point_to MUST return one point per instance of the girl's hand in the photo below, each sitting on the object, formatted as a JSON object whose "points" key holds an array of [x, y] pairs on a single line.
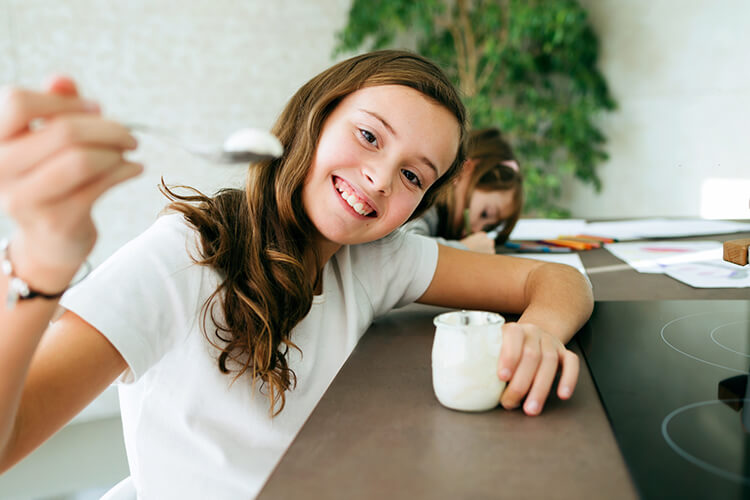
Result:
{"points": [[479, 242], [529, 360], [51, 173]]}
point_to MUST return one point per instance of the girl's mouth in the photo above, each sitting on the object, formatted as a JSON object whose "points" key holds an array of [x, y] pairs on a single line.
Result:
{"points": [[352, 198]]}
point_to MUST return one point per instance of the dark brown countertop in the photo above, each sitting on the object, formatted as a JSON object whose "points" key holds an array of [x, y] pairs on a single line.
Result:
{"points": [[379, 432]]}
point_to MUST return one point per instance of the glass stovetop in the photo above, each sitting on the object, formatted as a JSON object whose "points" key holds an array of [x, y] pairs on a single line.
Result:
{"points": [[673, 378]]}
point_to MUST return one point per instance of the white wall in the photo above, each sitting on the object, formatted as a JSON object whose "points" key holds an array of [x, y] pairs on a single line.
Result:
{"points": [[678, 69], [680, 72], [200, 68]]}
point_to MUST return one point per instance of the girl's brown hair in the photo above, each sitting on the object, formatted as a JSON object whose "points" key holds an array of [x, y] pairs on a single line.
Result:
{"points": [[491, 152], [261, 241]]}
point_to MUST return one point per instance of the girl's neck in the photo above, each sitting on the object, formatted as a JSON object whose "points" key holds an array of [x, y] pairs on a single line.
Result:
{"points": [[325, 250]]}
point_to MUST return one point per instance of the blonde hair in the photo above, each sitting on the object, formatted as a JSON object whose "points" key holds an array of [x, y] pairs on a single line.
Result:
{"points": [[259, 239]]}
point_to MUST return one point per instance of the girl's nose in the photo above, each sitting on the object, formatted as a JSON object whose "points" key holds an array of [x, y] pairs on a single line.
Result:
{"points": [[380, 178]]}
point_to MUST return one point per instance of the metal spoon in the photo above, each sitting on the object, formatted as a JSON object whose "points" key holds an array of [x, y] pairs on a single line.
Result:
{"points": [[244, 146]]}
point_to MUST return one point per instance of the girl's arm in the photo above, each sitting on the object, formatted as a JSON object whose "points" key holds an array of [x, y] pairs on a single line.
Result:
{"points": [[50, 176], [554, 301], [43, 385]]}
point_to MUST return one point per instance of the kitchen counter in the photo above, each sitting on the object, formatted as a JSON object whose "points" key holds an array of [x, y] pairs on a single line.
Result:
{"points": [[379, 431]]}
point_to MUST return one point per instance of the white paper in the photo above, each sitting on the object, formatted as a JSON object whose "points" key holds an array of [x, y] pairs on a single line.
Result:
{"points": [[571, 259], [663, 228], [546, 229], [711, 274], [656, 256], [626, 230]]}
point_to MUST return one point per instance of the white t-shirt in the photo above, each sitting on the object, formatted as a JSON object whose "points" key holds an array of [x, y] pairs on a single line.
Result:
{"points": [[189, 431]]}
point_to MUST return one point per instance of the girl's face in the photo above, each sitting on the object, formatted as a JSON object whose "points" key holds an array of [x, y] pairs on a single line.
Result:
{"points": [[488, 208], [381, 148]]}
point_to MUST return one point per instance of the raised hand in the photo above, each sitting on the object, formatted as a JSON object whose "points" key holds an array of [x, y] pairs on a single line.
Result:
{"points": [[57, 157]]}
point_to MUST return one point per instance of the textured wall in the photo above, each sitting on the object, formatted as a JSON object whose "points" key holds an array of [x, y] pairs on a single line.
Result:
{"points": [[198, 68], [679, 71]]}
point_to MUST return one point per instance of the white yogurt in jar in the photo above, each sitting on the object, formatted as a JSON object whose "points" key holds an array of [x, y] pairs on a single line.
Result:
{"points": [[465, 354]]}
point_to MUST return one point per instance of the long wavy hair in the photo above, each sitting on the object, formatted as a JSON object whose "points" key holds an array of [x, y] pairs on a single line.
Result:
{"points": [[491, 173], [260, 240]]}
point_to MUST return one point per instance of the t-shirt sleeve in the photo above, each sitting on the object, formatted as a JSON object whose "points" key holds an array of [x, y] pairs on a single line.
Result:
{"points": [[145, 296], [396, 271]]}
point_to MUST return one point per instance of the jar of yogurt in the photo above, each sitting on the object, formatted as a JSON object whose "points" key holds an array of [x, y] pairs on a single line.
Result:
{"points": [[465, 354]]}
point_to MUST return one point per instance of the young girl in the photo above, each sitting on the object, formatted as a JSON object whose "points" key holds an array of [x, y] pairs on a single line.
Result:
{"points": [[486, 193], [226, 320]]}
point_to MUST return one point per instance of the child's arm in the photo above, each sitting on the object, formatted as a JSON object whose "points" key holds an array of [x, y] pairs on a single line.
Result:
{"points": [[554, 301], [49, 179]]}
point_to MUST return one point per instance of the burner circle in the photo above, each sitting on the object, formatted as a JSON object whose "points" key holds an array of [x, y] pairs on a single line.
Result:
{"points": [[696, 338], [723, 345], [701, 438]]}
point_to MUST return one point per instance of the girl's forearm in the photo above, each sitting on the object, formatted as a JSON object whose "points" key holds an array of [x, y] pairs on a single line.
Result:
{"points": [[21, 329], [560, 300]]}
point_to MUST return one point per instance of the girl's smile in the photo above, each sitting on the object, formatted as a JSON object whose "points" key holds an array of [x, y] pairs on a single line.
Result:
{"points": [[379, 151]]}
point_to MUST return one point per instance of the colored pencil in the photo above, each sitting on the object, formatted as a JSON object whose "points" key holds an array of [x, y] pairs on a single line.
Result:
{"points": [[575, 245], [592, 242], [603, 239], [535, 247]]}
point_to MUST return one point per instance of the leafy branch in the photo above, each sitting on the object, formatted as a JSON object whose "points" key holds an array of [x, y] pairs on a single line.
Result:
{"points": [[525, 66]]}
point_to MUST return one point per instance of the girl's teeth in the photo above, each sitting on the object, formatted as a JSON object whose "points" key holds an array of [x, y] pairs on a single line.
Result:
{"points": [[357, 205]]}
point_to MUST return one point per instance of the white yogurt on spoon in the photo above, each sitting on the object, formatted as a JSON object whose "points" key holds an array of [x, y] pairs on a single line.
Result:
{"points": [[255, 140]]}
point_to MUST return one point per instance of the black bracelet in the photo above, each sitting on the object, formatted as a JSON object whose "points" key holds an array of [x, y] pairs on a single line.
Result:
{"points": [[18, 289]]}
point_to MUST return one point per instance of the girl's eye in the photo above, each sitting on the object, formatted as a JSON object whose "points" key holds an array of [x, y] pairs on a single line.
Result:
{"points": [[484, 214], [369, 136], [412, 177]]}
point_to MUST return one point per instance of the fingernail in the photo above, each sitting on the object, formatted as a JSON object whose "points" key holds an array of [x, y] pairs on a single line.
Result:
{"points": [[565, 392], [532, 407], [504, 374]]}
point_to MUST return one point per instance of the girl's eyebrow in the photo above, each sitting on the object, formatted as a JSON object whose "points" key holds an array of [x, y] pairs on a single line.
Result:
{"points": [[387, 125]]}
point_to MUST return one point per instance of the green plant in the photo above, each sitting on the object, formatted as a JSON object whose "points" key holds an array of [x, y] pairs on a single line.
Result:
{"points": [[525, 66]]}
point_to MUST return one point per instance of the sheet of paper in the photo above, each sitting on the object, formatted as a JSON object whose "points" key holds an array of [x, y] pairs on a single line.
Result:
{"points": [[655, 256], [663, 228], [711, 274], [571, 259], [546, 229], [625, 230]]}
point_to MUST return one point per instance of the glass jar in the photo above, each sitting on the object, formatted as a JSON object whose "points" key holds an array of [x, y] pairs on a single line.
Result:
{"points": [[465, 354]]}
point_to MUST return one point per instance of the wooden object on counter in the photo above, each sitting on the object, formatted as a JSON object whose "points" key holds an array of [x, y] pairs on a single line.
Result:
{"points": [[735, 251]]}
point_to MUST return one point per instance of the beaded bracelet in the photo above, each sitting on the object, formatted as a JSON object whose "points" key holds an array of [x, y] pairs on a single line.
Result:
{"points": [[18, 289]]}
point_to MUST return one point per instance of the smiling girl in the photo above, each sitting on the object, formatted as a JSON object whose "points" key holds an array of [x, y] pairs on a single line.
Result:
{"points": [[226, 320]]}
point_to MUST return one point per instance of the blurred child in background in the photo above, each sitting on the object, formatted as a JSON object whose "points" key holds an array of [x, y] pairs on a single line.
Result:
{"points": [[487, 193]]}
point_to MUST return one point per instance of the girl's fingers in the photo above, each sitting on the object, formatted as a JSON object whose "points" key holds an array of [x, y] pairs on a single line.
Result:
{"points": [[545, 377], [510, 352], [65, 173], [18, 107], [569, 377], [25, 152], [121, 173], [524, 374]]}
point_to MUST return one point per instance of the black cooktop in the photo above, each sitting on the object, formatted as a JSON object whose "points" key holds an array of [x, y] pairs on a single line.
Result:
{"points": [[673, 378]]}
